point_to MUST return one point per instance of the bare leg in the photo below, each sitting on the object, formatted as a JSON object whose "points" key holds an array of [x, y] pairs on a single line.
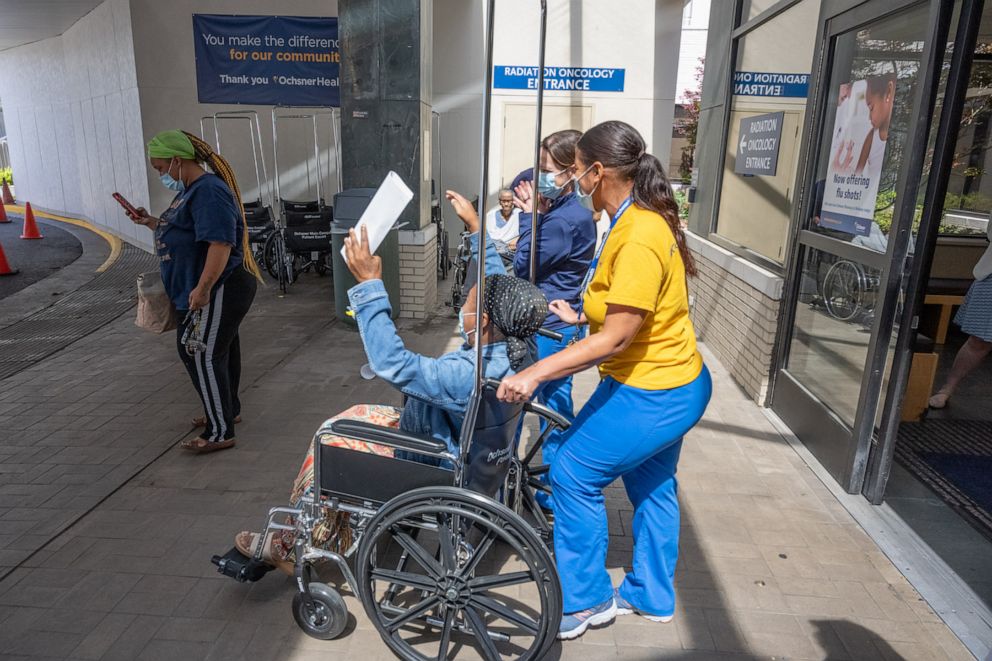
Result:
{"points": [[970, 355]]}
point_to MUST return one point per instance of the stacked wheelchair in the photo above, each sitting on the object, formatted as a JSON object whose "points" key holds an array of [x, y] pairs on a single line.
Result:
{"points": [[446, 557]]}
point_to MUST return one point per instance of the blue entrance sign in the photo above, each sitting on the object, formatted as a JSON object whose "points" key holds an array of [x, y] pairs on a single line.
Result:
{"points": [[559, 79], [755, 83], [267, 60]]}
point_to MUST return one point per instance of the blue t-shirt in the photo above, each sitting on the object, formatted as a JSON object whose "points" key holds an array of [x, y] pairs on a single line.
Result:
{"points": [[204, 213]]}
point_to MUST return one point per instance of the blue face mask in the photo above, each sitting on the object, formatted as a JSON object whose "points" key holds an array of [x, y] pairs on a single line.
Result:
{"points": [[461, 326], [172, 184], [585, 199], [546, 185]]}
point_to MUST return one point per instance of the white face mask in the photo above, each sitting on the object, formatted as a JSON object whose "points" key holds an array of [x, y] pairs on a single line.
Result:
{"points": [[461, 325], [585, 199], [173, 184]]}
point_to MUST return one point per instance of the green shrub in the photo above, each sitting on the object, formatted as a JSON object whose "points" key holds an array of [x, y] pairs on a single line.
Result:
{"points": [[6, 176], [682, 199], [886, 203]]}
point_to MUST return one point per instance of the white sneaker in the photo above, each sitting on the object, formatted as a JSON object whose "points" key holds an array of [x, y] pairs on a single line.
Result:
{"points": [[574, 625], [624, 607]]}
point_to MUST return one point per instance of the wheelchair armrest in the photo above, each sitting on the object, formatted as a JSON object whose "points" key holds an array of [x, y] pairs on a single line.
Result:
{"points": [[394, 438], [546, 413]]}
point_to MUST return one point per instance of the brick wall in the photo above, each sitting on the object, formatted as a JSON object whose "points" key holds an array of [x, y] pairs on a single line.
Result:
{"points": [[736, 319], [418, 273]]}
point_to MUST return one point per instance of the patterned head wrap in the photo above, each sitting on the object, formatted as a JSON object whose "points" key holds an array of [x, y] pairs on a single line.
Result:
{"points": [[518, 309]]}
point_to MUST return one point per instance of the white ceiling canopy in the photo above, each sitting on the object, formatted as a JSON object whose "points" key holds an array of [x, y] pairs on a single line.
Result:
{"points": [[24, 21]]}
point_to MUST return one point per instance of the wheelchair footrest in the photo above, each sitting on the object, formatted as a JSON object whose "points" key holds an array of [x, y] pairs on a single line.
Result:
{"points": [[240, 567]]}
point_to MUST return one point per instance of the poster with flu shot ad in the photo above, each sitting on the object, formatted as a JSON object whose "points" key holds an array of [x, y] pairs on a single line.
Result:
{"points": [[857, 153]]}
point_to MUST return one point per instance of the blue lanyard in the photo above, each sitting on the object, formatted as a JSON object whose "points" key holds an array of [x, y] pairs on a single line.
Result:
{"points": [[599, 251]]}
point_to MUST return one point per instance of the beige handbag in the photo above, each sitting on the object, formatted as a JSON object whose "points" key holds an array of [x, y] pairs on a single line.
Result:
{"points": [[156, 312]]}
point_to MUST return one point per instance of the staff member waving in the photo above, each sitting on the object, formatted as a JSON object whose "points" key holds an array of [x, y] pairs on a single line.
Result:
{"points": [[654, 387], [208, 273]]}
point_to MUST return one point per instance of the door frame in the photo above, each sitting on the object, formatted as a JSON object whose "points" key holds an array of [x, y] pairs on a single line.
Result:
{"points": [[817, 426], [883, 449]]}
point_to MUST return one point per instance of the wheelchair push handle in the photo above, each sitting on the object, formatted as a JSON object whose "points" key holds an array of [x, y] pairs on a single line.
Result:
{"points": [[553, 417]]}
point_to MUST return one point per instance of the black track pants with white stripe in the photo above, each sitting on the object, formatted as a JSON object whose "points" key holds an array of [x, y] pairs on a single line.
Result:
{"points": [[216, 372]]}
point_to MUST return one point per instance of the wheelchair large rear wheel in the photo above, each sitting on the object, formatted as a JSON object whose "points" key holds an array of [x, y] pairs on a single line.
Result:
{"points": [[844, 290], [441, 569]]}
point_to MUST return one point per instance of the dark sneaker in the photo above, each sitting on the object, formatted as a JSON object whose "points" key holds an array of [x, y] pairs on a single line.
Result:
{"points": [[574, 625], [624, 607]]}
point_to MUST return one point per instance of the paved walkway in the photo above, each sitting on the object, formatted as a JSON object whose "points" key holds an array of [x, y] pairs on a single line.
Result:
{"points": [[106, 528]]}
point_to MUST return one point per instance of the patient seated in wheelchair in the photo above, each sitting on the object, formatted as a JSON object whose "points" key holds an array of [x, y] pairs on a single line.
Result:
{"points": [[437, 390]]}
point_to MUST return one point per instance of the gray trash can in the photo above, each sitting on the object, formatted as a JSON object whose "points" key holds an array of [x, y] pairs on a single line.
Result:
{"points": [[348, 208]]}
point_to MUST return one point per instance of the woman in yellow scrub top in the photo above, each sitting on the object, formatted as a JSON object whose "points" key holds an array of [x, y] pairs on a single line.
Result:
{"points": [[654, 386]]}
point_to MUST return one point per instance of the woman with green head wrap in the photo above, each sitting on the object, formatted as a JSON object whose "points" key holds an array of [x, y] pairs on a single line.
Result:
{"points": [[208, 273]]}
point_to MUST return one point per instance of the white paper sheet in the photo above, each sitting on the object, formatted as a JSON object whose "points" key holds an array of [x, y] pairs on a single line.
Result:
{"points": [[385, 208]]}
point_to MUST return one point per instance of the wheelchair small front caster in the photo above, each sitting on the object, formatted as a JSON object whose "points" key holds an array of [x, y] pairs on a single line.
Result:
{"points": [[329, 616]]}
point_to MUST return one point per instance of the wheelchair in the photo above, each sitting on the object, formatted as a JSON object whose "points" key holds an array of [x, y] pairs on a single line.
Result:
{"points": [[461, 263], [462, 257], [849, 291], [260, 223], [302, 243], [447, 555]]}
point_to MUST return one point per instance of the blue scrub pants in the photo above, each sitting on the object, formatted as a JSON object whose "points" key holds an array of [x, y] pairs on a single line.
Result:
{"points": [[637, 435], [556, 395]]}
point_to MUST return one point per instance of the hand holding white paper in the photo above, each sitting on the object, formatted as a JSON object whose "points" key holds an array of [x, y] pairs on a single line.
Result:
{"points": [[383, 211]]}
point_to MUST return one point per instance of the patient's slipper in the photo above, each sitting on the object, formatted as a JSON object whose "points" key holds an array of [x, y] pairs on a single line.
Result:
{"points": [[246, 542]]}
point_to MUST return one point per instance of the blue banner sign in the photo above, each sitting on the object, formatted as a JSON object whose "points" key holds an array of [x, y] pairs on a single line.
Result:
{"points": [[755, 83], [267, 60], [559, 79]]}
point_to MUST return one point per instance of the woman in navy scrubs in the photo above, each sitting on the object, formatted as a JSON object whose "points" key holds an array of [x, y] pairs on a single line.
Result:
{"points": [[565, 246]]}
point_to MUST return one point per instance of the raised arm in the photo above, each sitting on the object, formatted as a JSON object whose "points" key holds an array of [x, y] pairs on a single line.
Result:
{"points": [[423, 377]]}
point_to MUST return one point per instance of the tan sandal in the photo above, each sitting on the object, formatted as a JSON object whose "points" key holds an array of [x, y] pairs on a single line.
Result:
{"points": [[199, 445], [201, 421], [246, 542]]}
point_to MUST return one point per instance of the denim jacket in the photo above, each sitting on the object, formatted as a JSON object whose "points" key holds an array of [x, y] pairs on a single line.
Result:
{"points": [[438, 388]]}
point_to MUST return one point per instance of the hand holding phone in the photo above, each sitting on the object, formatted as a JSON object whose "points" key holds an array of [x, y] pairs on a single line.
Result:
{"points": [[129, 208]]}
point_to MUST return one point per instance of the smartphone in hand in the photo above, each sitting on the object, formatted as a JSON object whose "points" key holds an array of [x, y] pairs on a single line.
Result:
{"points": [[129, 208]]}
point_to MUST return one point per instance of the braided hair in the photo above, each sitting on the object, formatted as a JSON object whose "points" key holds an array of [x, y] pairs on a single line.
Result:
{"points": [[219, 165]]}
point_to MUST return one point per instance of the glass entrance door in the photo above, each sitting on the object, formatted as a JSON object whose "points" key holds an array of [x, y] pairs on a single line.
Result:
{"points": [[875, 92]]}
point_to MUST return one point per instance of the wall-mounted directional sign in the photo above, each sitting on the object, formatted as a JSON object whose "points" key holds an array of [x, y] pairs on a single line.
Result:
{"points": [[758, 144]]}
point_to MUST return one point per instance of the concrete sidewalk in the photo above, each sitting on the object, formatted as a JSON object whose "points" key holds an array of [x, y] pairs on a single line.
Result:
{"points": [[771, 564]]}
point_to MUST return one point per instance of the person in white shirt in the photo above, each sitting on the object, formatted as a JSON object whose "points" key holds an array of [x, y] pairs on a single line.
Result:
{"points": [[503, 223]]}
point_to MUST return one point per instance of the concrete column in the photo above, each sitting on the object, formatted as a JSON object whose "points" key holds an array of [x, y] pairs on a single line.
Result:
{"points": [[386, 122]]}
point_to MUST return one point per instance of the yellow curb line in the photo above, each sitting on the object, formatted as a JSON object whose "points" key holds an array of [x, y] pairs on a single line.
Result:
{"points": [[115, 243]]}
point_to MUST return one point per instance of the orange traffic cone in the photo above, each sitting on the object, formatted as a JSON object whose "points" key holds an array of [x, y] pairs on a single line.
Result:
{"points": [[7, 197], [4, 266], [3, 214], [30, 227]]}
